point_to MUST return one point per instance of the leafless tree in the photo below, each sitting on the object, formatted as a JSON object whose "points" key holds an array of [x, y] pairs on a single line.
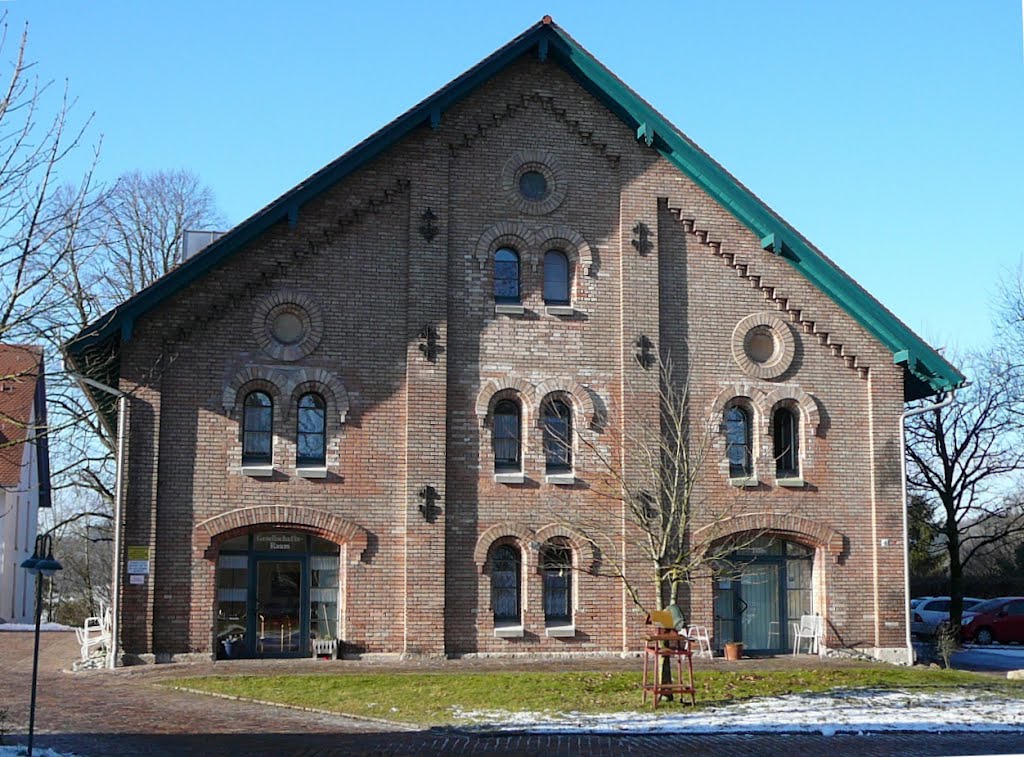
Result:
{"points": [[661, 494], [145, 217], [46, 197], [964, 462], [132, 238], [36, 152]]}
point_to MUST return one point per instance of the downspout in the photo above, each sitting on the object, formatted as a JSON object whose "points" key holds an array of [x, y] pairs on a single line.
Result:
{"points": [[115, 579], [943, 403]]}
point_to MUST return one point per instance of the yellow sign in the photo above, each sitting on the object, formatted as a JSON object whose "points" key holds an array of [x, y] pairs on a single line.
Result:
{"points": [[138, 561]]}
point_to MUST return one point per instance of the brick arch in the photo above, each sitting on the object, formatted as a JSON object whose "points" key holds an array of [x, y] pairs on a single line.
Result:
{"points": [[491, 390], [285, 382], [318, 522], [787, 526], [564, 238], [506, 233], [737, 390], [324, 382], [580, 545], [583, 403], [806, 402], [251, 379], [519, 531]]}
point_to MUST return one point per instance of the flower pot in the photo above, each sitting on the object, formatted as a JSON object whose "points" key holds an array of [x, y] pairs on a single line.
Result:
{"points": [[734, 650]]}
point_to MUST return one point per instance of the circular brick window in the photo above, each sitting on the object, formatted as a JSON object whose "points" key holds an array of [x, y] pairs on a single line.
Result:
{"points": [[287, 328], [760, 345], [533, 185], [533, 181], [763, 345], [287, 325]]}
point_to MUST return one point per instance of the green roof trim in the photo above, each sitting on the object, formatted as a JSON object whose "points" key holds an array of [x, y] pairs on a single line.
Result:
{"points": [[927, 372]]}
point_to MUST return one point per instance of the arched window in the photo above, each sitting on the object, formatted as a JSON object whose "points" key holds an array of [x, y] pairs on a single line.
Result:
{"points": [[738, 441], [505, 584], [786, 438], [507, 435], [557, 436], [258, 429], [556, 278], [556, 560], [311, 435], [506, 276]]}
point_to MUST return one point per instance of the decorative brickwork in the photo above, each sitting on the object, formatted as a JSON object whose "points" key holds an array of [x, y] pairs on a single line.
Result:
{"points": [[409, 491], [786, 526], [246, 519]]}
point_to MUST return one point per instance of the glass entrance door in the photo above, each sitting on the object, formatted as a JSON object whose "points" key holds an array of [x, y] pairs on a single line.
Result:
{"points": [[279, 605], [760, 612], [765, 588]]}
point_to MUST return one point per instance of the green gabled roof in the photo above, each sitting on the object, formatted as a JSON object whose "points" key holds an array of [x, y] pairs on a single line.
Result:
{"points": [[926, 371]]}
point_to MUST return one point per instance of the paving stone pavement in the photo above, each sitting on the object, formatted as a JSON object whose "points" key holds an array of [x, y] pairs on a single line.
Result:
{"points": [[124, 714]]}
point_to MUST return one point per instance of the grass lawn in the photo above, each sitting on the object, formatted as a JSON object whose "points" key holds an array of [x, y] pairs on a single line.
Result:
{"points": [[435, 698]]}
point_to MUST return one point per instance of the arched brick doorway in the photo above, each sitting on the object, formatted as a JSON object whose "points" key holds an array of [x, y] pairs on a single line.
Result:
{"points": [[279, 578], [779, 569]]}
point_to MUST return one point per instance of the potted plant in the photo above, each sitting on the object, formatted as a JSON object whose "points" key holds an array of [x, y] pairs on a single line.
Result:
{"points": [[733, 650]]}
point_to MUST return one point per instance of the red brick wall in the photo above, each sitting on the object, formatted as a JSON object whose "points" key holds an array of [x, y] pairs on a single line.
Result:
{"points": [[357, 251]]}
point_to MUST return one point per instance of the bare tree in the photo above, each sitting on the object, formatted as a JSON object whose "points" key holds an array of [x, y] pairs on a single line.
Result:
{"points": [[964, 462], [662, 496], [35, 152], [145, 217], [131, 238]]}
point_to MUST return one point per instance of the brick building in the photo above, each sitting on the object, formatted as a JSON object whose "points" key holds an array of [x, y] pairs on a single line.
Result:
{"points": [[345, 412]]}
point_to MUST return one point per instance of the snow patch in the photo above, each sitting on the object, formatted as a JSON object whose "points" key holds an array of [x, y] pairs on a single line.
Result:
{"points": [[32, 627], [861, 711], [18, 751]]}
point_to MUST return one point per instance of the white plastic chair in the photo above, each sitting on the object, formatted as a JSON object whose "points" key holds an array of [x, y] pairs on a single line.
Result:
{"points": [[810, 628], [94, 633], [700, 635]]}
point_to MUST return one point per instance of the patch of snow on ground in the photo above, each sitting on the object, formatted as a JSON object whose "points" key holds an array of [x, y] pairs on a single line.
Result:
{"points": [[862, 711], [18, 751], [32, 627]]}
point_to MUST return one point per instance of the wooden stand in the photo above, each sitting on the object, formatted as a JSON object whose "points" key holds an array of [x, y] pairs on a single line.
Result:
{"points": [[672, 646]]}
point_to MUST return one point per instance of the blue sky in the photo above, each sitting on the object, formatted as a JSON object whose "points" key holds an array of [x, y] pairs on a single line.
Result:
{"points": [[888, 133]]}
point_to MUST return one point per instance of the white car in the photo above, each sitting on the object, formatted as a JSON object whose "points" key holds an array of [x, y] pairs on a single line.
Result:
{"points": [[928, 615]]}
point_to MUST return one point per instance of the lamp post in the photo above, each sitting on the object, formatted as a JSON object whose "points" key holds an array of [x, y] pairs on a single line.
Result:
{"points": [[40, 564]]}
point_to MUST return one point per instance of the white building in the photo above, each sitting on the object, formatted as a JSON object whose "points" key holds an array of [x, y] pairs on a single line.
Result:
{"points": [[24, 473]]}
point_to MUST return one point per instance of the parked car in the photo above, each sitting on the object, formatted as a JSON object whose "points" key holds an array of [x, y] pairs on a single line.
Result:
{"points": [[933, 612], [1000, 620], [918, 600]]}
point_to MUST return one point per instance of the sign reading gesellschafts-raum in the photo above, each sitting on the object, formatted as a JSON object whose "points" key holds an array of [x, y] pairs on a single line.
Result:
{"points": [[138, 561]]}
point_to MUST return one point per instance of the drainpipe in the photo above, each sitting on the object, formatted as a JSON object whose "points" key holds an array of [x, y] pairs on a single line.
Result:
{"points": [[942, 403], [115, 579]]}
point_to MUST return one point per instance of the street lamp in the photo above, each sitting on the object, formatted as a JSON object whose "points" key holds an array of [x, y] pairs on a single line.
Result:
{"points": [[40, 564]]}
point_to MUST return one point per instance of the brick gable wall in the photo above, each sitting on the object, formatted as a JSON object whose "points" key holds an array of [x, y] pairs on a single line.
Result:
{"points": [[420, 586]]}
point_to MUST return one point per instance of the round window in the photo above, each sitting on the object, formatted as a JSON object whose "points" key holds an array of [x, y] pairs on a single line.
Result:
{"points": [[759, 344], [763, 345], [287, 325], [287, 328], [533, 185]]}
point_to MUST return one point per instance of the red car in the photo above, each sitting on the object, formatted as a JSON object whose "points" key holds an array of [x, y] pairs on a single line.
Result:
{"points": [[1000, 620]]}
